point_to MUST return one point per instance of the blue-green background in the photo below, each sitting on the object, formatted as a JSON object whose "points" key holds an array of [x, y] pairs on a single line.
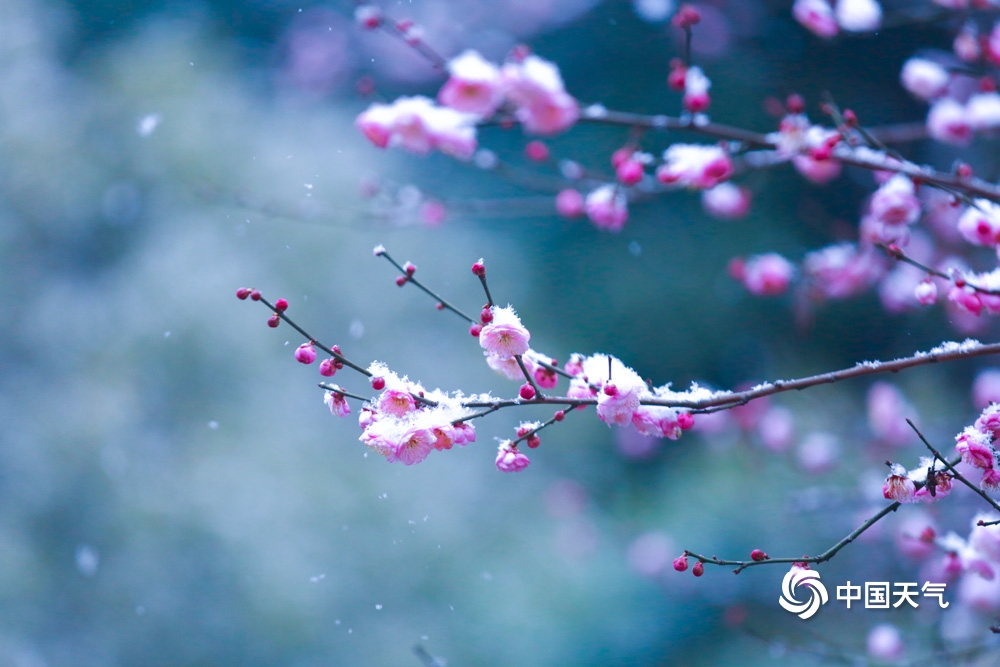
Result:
{"points": [[172, 489]]}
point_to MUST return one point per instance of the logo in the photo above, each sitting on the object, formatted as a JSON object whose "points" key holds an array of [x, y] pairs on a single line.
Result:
{"points": [[808, 579]]}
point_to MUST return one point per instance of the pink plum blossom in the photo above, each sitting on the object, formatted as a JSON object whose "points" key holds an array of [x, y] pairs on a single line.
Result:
{"points": [[695, 166], [509, 459], [895, 202], [505, 336], [726, 201], [607, 208], [924, 78], [898, 486], [337, 403], [816, 16], [975, 448], [541, 102], [980, 223], [474, 85], [417, 125], [767, 275], [926, 292], [858, 15], [948, 122]]}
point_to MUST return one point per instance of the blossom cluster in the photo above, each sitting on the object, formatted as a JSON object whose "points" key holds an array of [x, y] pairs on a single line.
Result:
{"points": [[975, 444]]}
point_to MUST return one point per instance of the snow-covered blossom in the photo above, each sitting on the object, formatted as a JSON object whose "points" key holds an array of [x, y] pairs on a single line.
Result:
{"points": [[841, 270], [419, 126], [858, 15], [509, 459], [536, 89], [305, 353], [895, 202], [337, 403], [767, 275], [926, 292], [983, 111], [505, 336], [695, 166], [980, 223], [975, 448], [607, 207], [898, 486], [947, 121], [618, 397], [924, 78], [816, 16], [726, 200], [696, 86], [657, 421], [474, 85]]}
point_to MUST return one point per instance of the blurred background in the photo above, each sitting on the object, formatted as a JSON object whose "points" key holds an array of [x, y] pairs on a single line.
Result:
{"points": [[173, 490]]}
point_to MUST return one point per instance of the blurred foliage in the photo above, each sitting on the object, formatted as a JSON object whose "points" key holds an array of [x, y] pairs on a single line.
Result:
{"points": [[190, 501]]}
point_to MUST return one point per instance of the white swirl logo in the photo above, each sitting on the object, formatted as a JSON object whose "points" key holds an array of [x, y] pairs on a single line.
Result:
{"points": [[817, 592]]}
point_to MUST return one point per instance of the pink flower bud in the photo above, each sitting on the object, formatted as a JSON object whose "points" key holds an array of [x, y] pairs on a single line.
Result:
{"points": [[926, 292], [527, 392], [629, 172], [378, 383], [242, 293], [409, 268], [536, 151], [368, 16], [486, 316], [401, 280], [758, 555], [255, 295], [610, 389], [305, 353], [509, 459], [273, 321], [475, 330], [533, 440], [685, 420], [569, 203], [281, 305], [559, 415], [479, 268], [328, 367], [698, 569], [681, 563]]}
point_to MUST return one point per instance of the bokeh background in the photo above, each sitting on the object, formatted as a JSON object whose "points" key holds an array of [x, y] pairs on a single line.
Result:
{"points": [[172, 489]]}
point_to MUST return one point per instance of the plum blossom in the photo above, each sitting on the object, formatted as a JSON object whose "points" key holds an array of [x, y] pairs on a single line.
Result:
{"points": [[618, 396], [898, 486], [337, 403], [948, 122], [983, 111], [980, 223], [474, 85], [658, 421], [975, 448], [924, 78], [509, 459], [695, 166], [696, 85], [541, 102], [816, 16], [726, 201], [417, 125], [841, 270], [505, 336], [858, 15], [607, 208], [895, 202], [767, 275]]}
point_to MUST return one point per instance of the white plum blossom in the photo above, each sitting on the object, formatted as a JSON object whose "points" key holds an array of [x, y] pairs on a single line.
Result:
{"points": [[474, 85], [924, 78], [858, 15]]}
